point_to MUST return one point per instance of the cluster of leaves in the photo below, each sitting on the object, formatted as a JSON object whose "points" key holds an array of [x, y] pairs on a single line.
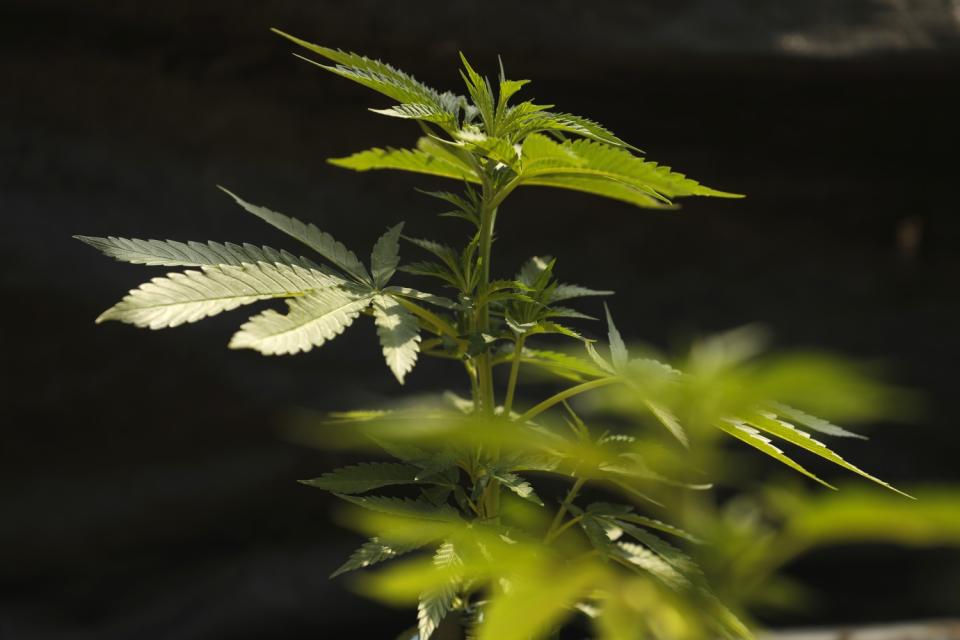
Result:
{"points": [[459, 480]]}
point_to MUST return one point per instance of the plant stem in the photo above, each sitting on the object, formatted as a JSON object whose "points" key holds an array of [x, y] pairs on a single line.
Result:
{"points": [[488, 218], [514, 371], [554, 529], [567, 393]]}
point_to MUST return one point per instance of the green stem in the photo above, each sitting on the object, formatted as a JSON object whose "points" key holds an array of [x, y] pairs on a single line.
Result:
{"points": [[555, 528], [514, 371], [567, 393]]}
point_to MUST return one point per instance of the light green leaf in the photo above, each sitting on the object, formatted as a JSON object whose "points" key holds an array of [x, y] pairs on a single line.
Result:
{"points": [[586, 165], [646, 561], [479, 89], [532, 607], [365, 476], [320, 241], [170, 253], [419, 111], [413, 294], [399, 335], [618, 350], [802, 439], [519, 486], [310, 321], [435, 603], [373, 74], [403, 507], [374, 551], [744, 432], [569, 123], [813, 422], [386, 256], [666, 417], [427, 158], [193, 295], [567, 291]]}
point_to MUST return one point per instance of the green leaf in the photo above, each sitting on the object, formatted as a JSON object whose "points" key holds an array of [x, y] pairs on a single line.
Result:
{"points": [[532, 269], [745, 433], [534, 606], [560, 363], [618, 350], [673, 556], [568, 291], [479, 89], [403, 507], [373, 74], [646, 561], [419, 111], [569, 123], [170, 253], [437, 602], [310, 321], [666, 417], [519, 486], [320, 241], [602, 169], [813, 422], [193, 295], [374, 551], [802, 439], [428, 158], [386, 256], [413, 294], [365, 476], [624, 513], [399, 335]]}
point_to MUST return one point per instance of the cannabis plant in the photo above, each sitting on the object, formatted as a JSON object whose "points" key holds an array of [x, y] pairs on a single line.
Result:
{"points": [[494, 557]]}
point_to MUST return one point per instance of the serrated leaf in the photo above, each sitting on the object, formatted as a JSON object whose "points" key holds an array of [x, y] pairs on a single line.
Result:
{"points": [[436, 603], [533, 607], [320, 241], [403, 507], [386, 256], [666, 417], [399, 335], [374, 551], [568, 291], [647, 561], [569, 123], [365, 476], [558, 362], [419, 111], [310, 321], [170, 253], [428, 158], [376, 75], [190, 296], [532, 269], [413, 294], [673, 556], [744, 432], [595, 167], [618, 350], [519, 486], [624, 513], [802, 439], [813, 422]]}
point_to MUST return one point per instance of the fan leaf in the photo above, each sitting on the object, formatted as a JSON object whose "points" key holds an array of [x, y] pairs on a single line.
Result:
{"points": [[310, 321]]}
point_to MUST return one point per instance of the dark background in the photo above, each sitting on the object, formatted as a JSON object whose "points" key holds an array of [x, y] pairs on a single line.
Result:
{"points": [[146, 488]]}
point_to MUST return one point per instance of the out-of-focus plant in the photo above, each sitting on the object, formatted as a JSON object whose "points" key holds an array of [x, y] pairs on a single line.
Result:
{"points": [[491, 554]]}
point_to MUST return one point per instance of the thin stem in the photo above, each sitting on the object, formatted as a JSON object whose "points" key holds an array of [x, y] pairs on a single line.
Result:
{"points": [[553, 531], [514, 371], [567, 393]]}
